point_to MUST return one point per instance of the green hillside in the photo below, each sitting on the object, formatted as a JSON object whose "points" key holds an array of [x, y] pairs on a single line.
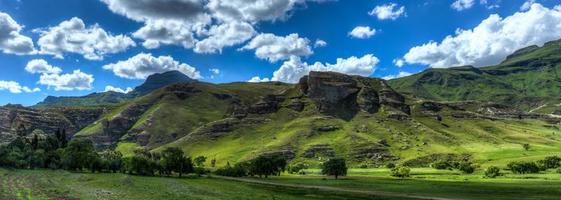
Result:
{"points": [[238, 121], [528, 79]]}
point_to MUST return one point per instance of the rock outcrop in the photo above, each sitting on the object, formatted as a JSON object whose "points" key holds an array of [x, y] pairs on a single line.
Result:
{"points": [[335, 93]]}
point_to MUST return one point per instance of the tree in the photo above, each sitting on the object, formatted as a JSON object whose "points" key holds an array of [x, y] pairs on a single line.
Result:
{"points": [[213, 162], [113, 160], [199, 161], [492, 172], [401, 172], [523, 167], [551, 162], [174, 160], [79, 154], [266, 165], [334, 167]]}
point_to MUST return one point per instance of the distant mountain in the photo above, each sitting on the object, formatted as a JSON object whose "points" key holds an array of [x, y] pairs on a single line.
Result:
{"points": [[157, 81], [153, 82], [528, 79]]}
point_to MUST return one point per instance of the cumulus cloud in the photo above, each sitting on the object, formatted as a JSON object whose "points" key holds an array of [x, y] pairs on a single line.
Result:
{"points": [[398, 75], [274, 48], [16, 88], [492, 40], [320, 43], [527, 5], [40, 66], [77, 80], [214, 71], [257, 79], [52, 78], [362, 32], [11, 40], [388, 11], [74, 37], [460, 5], [144, 65], [111, 88], [292, 70], [225, 35], [399, 62], [206, 26]]}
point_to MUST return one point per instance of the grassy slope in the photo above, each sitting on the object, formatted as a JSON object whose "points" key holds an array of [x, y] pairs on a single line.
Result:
{"points": [[528, 81]]}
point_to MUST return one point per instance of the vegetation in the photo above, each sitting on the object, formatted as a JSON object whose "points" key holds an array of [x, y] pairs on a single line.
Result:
{"points": [[334, 167], [401, 172], [492, 172], [522, 167]]}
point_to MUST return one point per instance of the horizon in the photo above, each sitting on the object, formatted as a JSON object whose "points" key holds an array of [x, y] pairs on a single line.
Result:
{"points": [[93, 46]]}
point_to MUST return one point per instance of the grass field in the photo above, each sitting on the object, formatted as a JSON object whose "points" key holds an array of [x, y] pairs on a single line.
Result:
{"points": [[425, 182]]}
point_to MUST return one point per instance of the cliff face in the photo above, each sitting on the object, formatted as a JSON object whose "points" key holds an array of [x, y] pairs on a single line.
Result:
{"points": [[19, 120]]}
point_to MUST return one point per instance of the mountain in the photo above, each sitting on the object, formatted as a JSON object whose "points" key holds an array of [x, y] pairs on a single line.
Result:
{"points": [[153, 82], [529, 79], [159, 80]]}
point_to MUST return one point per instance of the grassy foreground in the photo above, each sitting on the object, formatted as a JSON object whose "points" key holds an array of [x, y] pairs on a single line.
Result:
{"points": [[427, 183]]}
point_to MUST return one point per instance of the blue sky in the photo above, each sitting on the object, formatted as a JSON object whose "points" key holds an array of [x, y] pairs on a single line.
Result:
{"points": [[405, 36]]}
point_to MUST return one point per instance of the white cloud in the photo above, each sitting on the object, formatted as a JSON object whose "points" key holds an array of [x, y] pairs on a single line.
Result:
{"points": [[206, 26], [225, 35], [16, 88], [144, 65], [527, 5], [492, 40], [41, 66], [257, 79], [490, 4], [77, 80], [11, 40], [292, 70], [362, 32], [399, 62], [111, 88], [399, 75], [388, 11], [74, 37], [275, 48], [460, 5], [167, 32], [214, 71], [320, 43]]}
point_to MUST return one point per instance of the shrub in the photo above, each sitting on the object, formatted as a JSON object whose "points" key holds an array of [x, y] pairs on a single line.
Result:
{"points": [[296, 168], [441, 165], [466, 167], [523, 167], [558, 170], [526, 147], [390, 165], [239, 170], [551, 162], [492, 172], [401, 172]]}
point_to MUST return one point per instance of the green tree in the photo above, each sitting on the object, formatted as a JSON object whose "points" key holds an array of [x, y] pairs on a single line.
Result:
{"points": [[174, 160], [267, 165], [79, 154], [199, 161], [334, 167]]}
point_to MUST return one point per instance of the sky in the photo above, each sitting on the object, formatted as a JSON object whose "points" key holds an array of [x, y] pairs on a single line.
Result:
{"points": [[74, 48]]}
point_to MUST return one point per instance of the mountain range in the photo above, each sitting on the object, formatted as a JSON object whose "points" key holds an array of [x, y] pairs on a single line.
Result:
{"points": [[459, 113]]}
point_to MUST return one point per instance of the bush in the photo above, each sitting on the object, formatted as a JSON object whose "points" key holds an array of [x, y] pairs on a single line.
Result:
{"points": [[466, 167], [440, 165], [523, 167], [551, 162], [296, 168], [558, 170], [401, 172], [239, 170], [390, 165], [492, 172]]}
